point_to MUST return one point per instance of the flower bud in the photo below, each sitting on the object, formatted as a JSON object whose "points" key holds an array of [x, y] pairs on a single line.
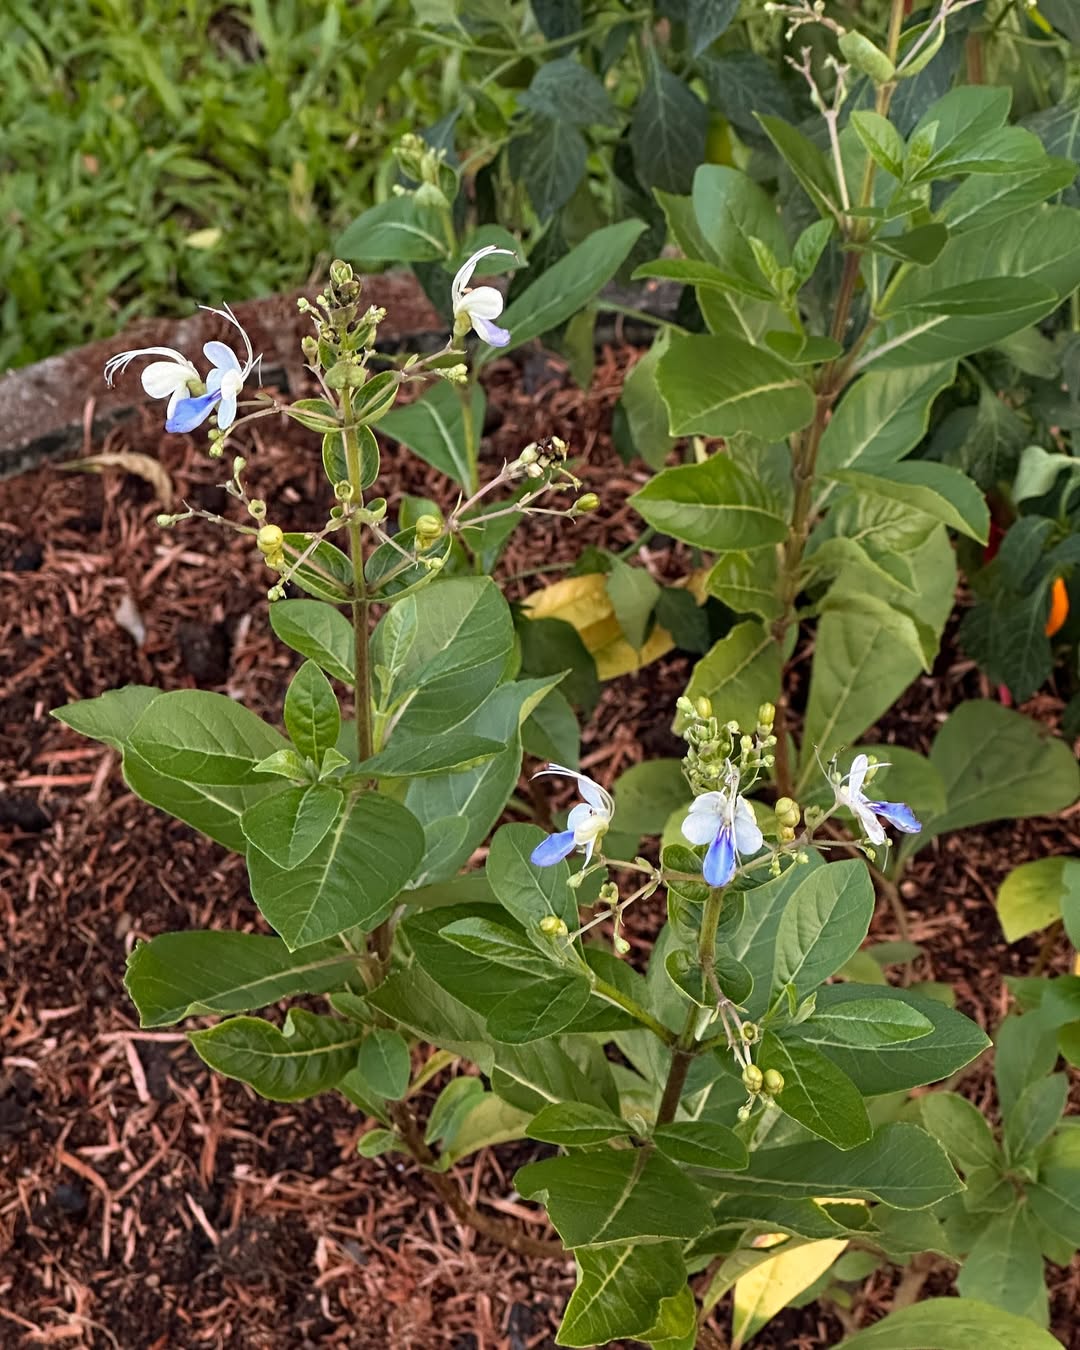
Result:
{"points": [[703, 707], [528, 455], [750, 1032], [427, 529], [773, 1082], [344, 491], [743, 1113], [552, 926], [588, 501], [215, 451], [620, 944], [239, 464], [752, 1078], [166, 522], [766, 715], [269, 539], [275, 593], [534, 471], [340, 272], [310, 347], [787, 811]]}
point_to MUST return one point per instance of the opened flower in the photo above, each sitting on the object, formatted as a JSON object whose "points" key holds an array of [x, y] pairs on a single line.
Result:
{"points": [[725, 821], [587, 822], [173, 379], [475, 308], [224, 382], [850, 793]]}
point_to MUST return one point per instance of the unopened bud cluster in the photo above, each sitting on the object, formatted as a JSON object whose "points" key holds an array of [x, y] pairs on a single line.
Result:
{"points": [[342, 332], [715, 749], [540, 456], [758, 1083]]}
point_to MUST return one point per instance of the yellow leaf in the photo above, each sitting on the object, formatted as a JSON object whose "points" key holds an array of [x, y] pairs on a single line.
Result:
{"points": [[760, 1294], [204, 239], [583, 602]]}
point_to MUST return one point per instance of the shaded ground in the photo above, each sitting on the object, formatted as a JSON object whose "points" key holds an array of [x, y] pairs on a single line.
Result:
{"points": [[145, 1204]]}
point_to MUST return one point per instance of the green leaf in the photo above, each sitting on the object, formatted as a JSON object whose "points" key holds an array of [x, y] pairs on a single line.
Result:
{"points": [[569, 284], [805, 161], [619, 1291], [351, 878], [816, 1093], [615, 1195], [746, 583], [962, 1129], [289, 825], [644, 410], [308, 1055], [318, 631], [1025, 1050], [633, 594], [1055, 1200], [203, 738], [111, 717], [550, 159], [1030, 898], [398, 230], [567, 91], [824, 923], [731, 210], [891, 1067], [901, 1166], [647, 794], [981, 201], [996, 763], [531, 1076], [866, 1023], [699, 1143], [486, 1121], [961, 1322], [713, 505], [881, 139], [529, 893], [883, 415], [433, 427], [552, 732], [706, 20], [668, 128], [1005, 1265], [178, 975], [215, 810], [576, 1125], [741, 672], [312, 716], [1032, 1119], [384, 1063], [414, 1000], [411, 756], [934, 489], [717, 386], [327, 572]]}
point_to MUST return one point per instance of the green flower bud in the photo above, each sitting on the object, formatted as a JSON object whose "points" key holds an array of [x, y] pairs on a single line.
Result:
{"points": [[340, 272], [275, 593], [743, 1113], [787, 812], [752, 1078], [589, 501], [703, 707], [534, 471], [239, 464], [528, 455], [215, 451], [620, 944], [867, 59], [766, 715], [750, 1032], [552, 926], [773, 1082], [310, 347], [609, 894], [166, 522], [427, 529], [269, 539]]}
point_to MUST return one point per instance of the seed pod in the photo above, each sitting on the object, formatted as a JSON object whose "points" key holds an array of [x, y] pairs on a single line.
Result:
{"points": [[860, 52]]}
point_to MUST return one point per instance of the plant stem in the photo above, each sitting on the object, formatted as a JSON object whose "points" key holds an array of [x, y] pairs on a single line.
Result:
{"points": [[687, 1046], [362, 678], [635, 1010], [450, 1193], [468, 427]]}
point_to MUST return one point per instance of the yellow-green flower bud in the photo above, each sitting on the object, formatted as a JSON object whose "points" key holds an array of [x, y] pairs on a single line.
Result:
{"points": [[752, 1078], [239, 464], [166, 522], [620, 944], [703, 707], [773, 1082], [552, 926], [310, 347], [743, 1113], [340, 272], [787, 811], [427, 529], [860, 52], [269, 539], [344, 491], [750, 1032], [588, 501], [534, 471], [528, 455], [766, 715]]}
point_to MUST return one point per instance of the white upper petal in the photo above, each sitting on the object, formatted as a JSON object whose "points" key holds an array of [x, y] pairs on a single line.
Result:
{"points": [[465, 271], [748, 838], [701, 827], [221, 356], [484, 302], [872, 827], [162, 379], [859, 766], [597, 797]]}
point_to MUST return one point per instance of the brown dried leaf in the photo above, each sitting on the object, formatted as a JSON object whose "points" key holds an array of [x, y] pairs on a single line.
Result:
{"points": [[146, 467]]}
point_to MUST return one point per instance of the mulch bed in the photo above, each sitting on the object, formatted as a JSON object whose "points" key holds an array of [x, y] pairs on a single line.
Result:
{"points": [[145, 1203]]}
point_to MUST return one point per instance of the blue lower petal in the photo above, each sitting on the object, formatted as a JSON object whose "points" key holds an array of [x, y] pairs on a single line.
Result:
{"points": [[898, 815], [719, 865], [191, 412], [553, 849]]}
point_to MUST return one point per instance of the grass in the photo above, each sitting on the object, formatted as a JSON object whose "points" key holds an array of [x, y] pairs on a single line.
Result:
{"points": [[158, 153]]}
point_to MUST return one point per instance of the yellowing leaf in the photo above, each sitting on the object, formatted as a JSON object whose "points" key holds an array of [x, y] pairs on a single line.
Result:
{"points": [[760, 1294], [583, 602], [145, 466], [203, 239]]}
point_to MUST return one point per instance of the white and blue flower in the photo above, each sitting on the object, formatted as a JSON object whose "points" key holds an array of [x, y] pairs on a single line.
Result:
{"points": [[850, 793], [726, 822], [190, 398], [476, 308], [586, 824]]}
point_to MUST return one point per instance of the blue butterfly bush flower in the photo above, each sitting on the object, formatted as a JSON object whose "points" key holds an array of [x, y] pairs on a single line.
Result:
{"points": [[726, 822], [587, 822], [191, 399], [850, 793]]}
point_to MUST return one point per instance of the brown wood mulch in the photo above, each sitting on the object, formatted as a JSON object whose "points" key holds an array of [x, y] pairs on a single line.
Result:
{"points": [[145, 1203]]}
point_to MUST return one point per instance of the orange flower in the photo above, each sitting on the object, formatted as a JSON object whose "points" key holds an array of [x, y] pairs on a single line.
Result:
{"points": [[1059, 607]]}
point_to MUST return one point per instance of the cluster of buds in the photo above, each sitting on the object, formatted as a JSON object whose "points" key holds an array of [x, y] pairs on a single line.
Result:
{"points": [[768, 1084], [539, 457], [714, 748], [340, 328], [788, 815], [427, 167]]}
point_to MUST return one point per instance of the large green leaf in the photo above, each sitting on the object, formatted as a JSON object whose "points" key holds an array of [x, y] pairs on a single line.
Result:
{"points": [[433, 427], [290, 824], [550, 158], [214, 810], [308, 1055], [996, 763], [668, 129], [384, 1063], [754, 941], [351, 878], [643, 408], [937, 490], [529, 893], [901, 1166], [567, 91], [1030, 898], [962, 1129], [893, 1066], [1005, 1266], [980, 201], [739, 673], [178, 975], [203, 738], [699, 1143], [715, 505], [816, 1093], [398, 230], [959, 1323], [823, 924], [111, 717], [881, 417], [312, 716], [318, 631], [1034, 1116], [568, 285], [533, 1076], [731, 209], [865, 1023], [619, 1291], [614, 1195], [416, 1001], [719, 386], [413, 756]]}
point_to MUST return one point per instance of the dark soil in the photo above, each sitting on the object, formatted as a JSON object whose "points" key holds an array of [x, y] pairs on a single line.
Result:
{"points": [[148, 1205]]}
